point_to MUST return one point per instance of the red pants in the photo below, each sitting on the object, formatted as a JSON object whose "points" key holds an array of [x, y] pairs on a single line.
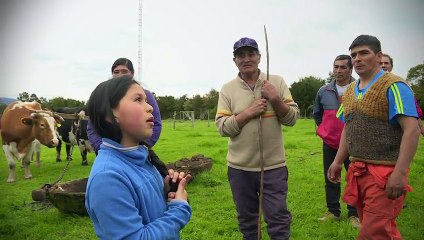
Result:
{"points": [[365, 189]]}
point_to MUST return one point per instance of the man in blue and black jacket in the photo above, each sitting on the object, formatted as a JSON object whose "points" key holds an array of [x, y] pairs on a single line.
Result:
{"points": [[327, 102]]}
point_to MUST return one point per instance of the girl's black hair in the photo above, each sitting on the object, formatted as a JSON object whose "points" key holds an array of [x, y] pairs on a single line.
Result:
{"points": [[103, 99]]}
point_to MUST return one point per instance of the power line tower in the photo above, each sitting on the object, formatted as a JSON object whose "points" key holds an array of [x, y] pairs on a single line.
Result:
{"points": [[140, 7]]}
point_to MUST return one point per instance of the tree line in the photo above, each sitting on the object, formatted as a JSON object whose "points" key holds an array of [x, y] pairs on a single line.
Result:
{"points": [[415, 78], [303, 93]]}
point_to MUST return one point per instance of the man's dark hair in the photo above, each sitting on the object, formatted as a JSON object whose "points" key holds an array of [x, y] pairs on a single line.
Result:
{"points": [[344, 57], [366, 40], [125, 62], [390, 58], [103, 99]]}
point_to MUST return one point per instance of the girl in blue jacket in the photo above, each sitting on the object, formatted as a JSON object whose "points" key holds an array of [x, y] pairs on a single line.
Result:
{"points": [[126, 197]]}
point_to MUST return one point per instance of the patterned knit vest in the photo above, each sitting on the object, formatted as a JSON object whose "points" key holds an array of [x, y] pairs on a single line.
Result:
{"points": [[369, 135]]}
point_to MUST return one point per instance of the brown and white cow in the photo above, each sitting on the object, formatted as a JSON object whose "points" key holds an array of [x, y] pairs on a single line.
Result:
{"points": [[22, 123]]}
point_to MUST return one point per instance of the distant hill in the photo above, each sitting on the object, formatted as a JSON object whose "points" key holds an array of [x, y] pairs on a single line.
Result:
{"points": [[4, 100]]}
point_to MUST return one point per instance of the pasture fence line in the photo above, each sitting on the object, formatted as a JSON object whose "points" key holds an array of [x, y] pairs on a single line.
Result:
{"points": [[189, 115], [72, 116]]}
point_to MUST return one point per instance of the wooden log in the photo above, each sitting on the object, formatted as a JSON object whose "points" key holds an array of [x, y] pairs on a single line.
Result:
{"points": [[197, 163]]}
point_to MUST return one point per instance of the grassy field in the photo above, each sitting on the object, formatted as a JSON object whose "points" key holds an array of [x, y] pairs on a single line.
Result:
{"points": [[214, 215]]}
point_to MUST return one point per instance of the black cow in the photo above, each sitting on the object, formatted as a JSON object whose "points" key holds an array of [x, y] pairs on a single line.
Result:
{"points": [[73, 132]]}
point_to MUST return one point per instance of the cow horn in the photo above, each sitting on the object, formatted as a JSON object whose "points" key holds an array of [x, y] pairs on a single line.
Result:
{"points": [[81, 115], [52, 114], [58, 118], [43, 111], [34, 114]]}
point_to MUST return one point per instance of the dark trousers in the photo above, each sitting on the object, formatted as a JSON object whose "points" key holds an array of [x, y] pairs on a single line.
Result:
{"points": [[245, 187], [332, 190]]}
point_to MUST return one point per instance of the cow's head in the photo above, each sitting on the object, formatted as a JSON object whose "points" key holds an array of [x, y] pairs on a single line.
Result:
{"points": [[77, 122], [44, 125]]}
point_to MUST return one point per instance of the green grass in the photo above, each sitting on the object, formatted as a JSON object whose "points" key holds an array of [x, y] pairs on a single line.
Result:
{"points": [[214, 215]]}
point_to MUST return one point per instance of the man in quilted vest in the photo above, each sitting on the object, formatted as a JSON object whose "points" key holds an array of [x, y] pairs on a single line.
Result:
{"points": [[381, 137]]}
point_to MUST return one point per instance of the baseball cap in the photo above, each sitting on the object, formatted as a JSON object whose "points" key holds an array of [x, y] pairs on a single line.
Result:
{"points": [[245, 42]]}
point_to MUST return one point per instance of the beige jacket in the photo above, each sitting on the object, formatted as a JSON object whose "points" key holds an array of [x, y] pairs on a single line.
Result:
{"points": [[243, 144]]}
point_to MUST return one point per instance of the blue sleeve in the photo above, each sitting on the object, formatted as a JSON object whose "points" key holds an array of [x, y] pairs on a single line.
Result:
{"points": [[401, 101], [111, 202], [93, 137], [157, 124]]}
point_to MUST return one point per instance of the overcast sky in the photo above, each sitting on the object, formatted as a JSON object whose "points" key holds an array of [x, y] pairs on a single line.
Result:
{"points": [[66, 47]]}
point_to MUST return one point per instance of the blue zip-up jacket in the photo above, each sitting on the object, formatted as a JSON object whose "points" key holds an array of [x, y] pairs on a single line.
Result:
{"points": [[326, 104], [125, 197]]}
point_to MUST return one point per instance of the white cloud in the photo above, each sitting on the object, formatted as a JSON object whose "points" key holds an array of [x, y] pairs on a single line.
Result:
{"points": [[65, 48]]}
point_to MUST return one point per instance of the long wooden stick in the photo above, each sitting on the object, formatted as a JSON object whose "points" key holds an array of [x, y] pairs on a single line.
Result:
{"points": [[261, 148], [267, 54]]}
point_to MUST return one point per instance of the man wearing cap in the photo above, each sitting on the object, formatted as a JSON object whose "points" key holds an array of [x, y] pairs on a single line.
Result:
{"points": [[251, 110]]}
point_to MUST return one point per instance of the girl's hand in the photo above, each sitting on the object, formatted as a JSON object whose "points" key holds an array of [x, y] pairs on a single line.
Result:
{"points": [[181, 193], [176, 177]]}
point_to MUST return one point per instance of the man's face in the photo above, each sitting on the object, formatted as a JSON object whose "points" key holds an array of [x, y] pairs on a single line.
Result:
{"points": [[247, 60], [365, 61], [121, 70], [385, 64], [341, 71]]}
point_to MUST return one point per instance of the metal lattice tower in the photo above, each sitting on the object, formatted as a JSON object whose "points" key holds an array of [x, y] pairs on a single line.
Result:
{"points": [[140, 7]]}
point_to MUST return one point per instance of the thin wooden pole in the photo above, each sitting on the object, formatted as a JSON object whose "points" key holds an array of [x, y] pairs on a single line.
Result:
{"points": [[261, 148]]}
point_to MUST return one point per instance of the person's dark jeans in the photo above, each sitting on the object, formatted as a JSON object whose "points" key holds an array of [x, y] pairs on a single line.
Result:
{"points": [[332, 190], [245, 189]]}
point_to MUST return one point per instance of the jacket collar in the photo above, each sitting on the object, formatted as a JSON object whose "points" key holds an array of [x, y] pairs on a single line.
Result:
{"points": [[137, 154], [332, 85]]}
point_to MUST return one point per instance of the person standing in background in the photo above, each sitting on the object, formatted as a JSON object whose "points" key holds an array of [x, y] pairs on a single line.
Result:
{"points": [[326, 104]]}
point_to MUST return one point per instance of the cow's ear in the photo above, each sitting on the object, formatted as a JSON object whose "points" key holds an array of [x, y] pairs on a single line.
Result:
{"points": [[27, 121]]}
